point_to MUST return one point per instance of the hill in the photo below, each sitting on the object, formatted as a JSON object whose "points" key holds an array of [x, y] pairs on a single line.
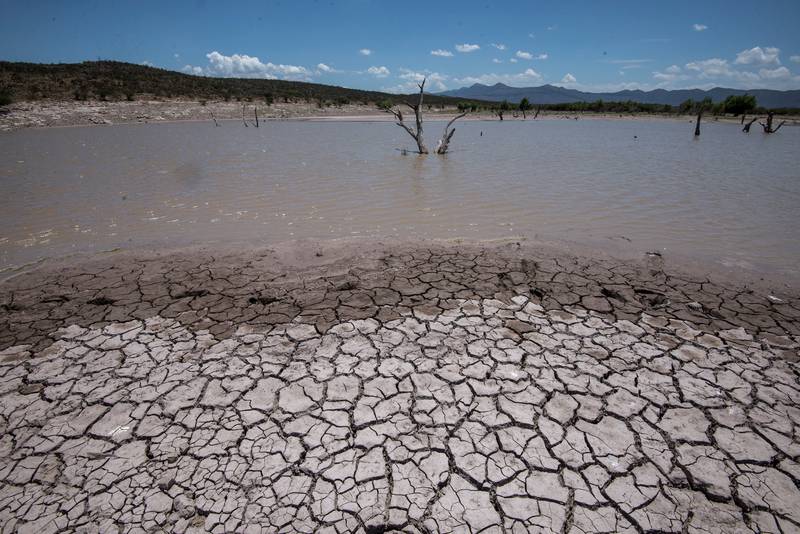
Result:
{"points": [[550, 94], [114, 80]]}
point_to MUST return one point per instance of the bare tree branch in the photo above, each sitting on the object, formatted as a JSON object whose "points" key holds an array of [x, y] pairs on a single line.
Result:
{"points": [[444, 142], [416, 134]]}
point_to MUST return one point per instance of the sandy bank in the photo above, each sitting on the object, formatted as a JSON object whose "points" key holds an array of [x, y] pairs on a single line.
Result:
{"points": [[72, 113]]}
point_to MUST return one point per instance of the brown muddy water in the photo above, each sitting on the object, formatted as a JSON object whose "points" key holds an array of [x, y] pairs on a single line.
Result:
{"points": [[726, 198]]}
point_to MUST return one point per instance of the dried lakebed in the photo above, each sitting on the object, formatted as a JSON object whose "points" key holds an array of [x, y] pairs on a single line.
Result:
{"points": [[422, 388]]}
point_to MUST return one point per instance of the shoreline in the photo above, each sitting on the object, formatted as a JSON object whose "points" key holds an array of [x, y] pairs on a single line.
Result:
{"points": [[52, 114]]}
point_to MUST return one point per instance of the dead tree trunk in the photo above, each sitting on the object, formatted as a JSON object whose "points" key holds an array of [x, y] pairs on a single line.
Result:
{"points": [[697, 124], [538, 109], [213, 118], [747, 126], [416, 134], [500, 114], [255, 110], [244, 121], [744, 115], [444, 142], [768, 127]]}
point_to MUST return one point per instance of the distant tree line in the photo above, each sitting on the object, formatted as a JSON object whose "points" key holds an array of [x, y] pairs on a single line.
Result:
{"points": [[733, 105]]}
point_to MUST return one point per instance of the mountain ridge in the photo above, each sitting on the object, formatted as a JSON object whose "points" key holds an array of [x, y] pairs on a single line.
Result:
{"points": [[553, 94]]}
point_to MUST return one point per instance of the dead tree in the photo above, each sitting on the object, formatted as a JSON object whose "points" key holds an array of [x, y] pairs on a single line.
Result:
{"points": [[768, 127], [747, 126], [416, 134], [255, 111], [213, 118], [243, 120], [697, 124], [538, 109], [444, 142], [500, 114]]}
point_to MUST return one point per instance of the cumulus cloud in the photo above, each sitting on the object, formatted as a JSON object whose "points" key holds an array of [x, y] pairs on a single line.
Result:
{"points": [[758, 56], [244, 66], [466, 48], [495, 60], [781, 73], [441, 53], [526, 77], [146, 64], [379, 72], [568, 78], [794, 59], [720, 68], [365, 52], [499, 46], [189, 69], [513, 60], [435, 81], [699, 27]]}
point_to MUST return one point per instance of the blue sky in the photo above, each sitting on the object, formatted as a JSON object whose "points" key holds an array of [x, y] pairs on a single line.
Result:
{"points": [[372, 44]]}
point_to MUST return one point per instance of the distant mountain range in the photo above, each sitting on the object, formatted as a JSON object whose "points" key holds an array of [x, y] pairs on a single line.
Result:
{"points": [[550, 94]]}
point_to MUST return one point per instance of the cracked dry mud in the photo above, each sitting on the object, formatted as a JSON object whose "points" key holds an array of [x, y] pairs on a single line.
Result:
{"points": [[414, 388]]}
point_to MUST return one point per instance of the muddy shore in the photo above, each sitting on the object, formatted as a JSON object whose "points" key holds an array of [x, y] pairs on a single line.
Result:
{"points": [[41, 114], [372, 387]]}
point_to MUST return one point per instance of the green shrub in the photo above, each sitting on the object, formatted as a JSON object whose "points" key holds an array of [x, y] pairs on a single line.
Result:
{"points": [[5, 96]]}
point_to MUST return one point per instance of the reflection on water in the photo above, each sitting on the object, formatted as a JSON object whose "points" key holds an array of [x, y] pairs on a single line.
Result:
{"points": [[729, 197]]}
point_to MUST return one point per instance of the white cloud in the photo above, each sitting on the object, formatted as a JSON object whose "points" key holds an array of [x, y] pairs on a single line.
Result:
{"points": [[176, 55], [781, 73], [794, 59], [758, 56], [379, 72], [244, 66], [435, 81], [322, 67], [551, 28], [521, 54], [710, 67], [365, 52], [699, 27], [146, 64], [499, 46], [532, 35], [197, 71], [719, 68], [441, 53], [513, 60], [495, 60], [568, 78], [670, 74], [527, 77], [250, 67], [466, 48]]}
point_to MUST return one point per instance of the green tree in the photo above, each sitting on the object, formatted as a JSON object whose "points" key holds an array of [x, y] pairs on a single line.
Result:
{"points": [[524, 106], [738, 104]]}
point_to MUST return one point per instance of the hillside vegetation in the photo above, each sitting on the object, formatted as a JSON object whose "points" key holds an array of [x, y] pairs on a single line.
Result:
{"points": [[114, 80]]}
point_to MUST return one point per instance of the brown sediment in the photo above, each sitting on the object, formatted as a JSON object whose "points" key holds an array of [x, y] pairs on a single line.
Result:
{"points": [[421, 387]]}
